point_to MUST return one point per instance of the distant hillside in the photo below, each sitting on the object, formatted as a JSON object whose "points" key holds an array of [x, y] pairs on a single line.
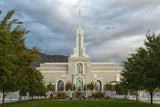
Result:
{"points": [[50, 58]]}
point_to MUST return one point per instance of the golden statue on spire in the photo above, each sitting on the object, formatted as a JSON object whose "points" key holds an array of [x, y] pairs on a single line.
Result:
{"points": [[79, 18], [79, 11]]}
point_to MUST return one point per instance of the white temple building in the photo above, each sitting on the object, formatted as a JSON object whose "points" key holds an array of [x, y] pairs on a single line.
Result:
{"points": [[79, 69]]}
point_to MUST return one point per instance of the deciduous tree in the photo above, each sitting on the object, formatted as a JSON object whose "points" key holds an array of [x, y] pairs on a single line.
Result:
{"points": [[143, 67]]}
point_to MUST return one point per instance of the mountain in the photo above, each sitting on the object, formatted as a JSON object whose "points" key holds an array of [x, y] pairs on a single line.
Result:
{"points": [[49, 58]]}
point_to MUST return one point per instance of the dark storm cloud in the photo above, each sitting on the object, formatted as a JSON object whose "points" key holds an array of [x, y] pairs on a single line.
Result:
{"points": [[113, 28]]}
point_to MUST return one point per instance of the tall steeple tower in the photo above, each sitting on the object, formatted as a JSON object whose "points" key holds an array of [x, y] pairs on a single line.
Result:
{"points": [[79, 51]]}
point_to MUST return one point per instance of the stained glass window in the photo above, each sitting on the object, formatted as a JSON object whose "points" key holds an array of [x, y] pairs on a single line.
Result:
{"points": [[79, 68], [79, 84]]}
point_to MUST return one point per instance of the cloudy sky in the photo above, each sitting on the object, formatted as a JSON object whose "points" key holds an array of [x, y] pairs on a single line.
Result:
{"points": [[112, 28]]}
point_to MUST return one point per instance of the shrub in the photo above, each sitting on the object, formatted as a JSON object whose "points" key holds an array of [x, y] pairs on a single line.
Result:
{"points": [[107, 97], [91, 86], [83, 94], [79, 95], [98, 95], [68, 85], [110, 87], [61, 95], [49, 87]]}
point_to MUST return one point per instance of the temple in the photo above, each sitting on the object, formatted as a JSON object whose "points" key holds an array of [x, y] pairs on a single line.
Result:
{"points": [[80, 70]]}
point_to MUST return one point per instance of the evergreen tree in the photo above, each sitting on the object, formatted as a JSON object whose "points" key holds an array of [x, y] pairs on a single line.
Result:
{"points": [[49, 87], [68, 86], [91, 86]]}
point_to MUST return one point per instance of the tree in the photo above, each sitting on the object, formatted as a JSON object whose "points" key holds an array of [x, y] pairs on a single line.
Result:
{"points": [[110, 87], [8, 77], [91, 86], [15, 59], [36, 86], [26, 58], [133, 74], [49, 87], [152, 62], [68, 86], [143, 66], [22, 84], [122, 89]]}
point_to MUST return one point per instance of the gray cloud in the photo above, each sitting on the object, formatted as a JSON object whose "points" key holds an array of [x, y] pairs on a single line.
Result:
{"points": [[113, 28]]}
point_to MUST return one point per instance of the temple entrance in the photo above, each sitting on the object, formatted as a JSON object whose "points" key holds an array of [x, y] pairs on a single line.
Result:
{"points": [[79, 84]]}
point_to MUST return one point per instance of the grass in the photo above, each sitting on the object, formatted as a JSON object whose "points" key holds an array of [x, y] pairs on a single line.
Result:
{"points": [[88, 103]]}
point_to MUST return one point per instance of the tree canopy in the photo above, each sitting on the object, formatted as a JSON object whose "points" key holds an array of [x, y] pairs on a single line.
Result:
{"points": [[143, 66], [16, 59]]}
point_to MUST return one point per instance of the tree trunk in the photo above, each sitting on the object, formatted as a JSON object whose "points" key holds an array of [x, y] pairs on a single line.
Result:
{"points": [[125, 97], [32, 97], [3, 100], [20, 98], [151, 95], [136, 96]]}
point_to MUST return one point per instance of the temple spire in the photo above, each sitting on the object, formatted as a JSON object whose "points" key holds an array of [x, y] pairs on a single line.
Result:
{"points": [[79, 18], [79, 50]]}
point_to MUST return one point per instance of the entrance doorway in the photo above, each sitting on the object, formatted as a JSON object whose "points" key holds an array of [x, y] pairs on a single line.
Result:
{"points": [[79, 84]]}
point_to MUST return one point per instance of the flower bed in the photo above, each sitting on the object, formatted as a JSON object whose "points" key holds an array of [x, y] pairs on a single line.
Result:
{"points": [[79, 95], [98, 95], [59, 95]]}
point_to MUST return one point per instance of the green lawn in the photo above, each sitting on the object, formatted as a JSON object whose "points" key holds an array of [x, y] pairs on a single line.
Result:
{"points": [[89, 103]]}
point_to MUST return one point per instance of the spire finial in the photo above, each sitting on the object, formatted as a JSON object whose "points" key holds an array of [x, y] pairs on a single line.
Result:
{"points": [[79, 11], [79, 18]]}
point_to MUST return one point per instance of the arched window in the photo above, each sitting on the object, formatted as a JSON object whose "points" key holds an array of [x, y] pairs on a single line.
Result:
{"points": [[79, 84], [79, 68], [60, 85], [98, 85]]}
